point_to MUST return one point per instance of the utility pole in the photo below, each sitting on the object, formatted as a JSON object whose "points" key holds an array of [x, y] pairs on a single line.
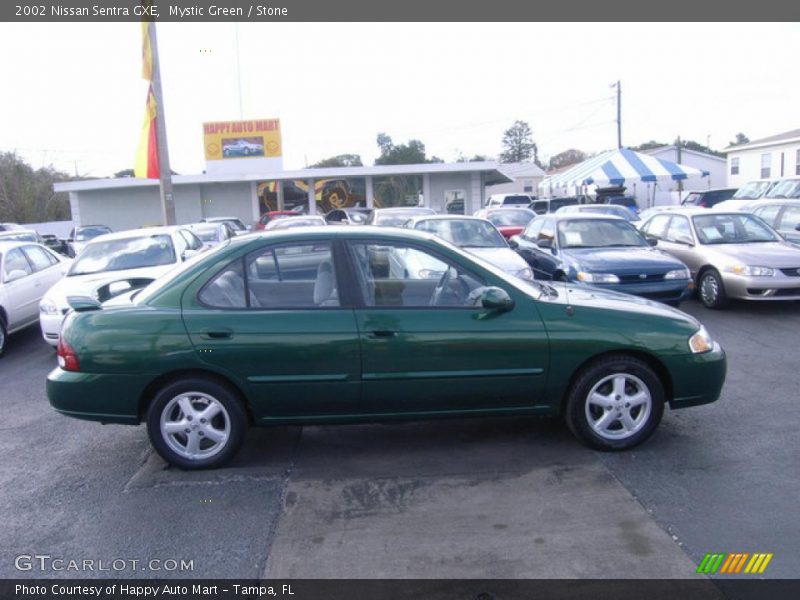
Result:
{"points": [[165, 173], [678, 160], [619, 114]]}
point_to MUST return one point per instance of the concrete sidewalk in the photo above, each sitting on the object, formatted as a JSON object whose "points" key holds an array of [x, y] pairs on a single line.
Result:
{"points": [[470, 499]]}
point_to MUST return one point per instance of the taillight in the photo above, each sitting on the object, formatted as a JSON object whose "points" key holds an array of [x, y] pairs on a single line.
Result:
{"points": [[67, 359]]}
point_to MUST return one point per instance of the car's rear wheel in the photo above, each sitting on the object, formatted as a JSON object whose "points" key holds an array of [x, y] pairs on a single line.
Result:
{"points": [[196, 423], [3, 337], [712, 290], [615, 403]]}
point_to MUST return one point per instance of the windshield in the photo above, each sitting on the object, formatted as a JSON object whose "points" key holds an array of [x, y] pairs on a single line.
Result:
{"points": [[464, 233], [397, 218], [357, 217], [732, 229], [752, 190], [206, 234], [556, 203], [89, 233], [296, 222], [785, 189], [236, 224], [598, 233], [123, 254], [617, 211], [511, 217], [19, 237]]}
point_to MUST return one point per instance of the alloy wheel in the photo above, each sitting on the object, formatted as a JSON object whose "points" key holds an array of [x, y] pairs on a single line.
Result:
{"points": [[618, 406], [195, 425]]}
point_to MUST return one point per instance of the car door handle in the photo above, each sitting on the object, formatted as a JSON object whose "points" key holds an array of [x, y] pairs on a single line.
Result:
{"points": [[382, 333], [219, 334]]}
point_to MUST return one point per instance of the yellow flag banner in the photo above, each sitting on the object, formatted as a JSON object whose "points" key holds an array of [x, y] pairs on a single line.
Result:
{"points": [[147, 154]]}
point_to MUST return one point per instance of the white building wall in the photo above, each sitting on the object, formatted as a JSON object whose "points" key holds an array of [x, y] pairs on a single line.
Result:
{"points": [[441, 183], [784, 162], [129, 208]]}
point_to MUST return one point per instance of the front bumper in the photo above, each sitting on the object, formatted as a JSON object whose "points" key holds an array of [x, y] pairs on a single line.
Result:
{"points": [[777, 287], [107, 398], [673, 291], [697, 378]]}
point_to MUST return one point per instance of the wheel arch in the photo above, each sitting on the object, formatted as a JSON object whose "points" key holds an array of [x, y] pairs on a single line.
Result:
{"points": [[149, 392], [3, 315], [649, 359]]}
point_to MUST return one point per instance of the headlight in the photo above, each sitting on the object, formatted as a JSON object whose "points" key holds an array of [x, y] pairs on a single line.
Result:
{"points": [[701, 342], [597, 277], [752, 271], [525, 273], [677, 274], [430, 274], [48, 307]]}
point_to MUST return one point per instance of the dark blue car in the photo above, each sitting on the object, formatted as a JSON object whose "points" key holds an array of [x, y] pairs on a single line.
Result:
{"points": [[607, 252]]}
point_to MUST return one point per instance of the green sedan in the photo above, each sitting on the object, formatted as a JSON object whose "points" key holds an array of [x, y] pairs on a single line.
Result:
{"points": [[325, 325]]}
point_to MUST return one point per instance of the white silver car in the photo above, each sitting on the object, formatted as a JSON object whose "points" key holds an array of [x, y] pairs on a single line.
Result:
{"points": [[212, 234], [114, 263], [27, 270], [474, 235]]}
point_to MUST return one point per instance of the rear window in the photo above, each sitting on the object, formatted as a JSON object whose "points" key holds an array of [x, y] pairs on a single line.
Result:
{"points": [[517, 200]]}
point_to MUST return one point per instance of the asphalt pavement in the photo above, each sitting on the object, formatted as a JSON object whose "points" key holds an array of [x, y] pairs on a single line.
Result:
{"points": [[485, 498]]}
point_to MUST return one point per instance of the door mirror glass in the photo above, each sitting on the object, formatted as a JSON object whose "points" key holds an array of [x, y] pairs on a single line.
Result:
{"points": [[545, 243], [651, 240], [497, 299]]}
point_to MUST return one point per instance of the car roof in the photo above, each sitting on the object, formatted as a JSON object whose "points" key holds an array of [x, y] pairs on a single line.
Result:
{"points": [[722, 189], [399, 209], [581, 217], [7, 245], [142, 232]]}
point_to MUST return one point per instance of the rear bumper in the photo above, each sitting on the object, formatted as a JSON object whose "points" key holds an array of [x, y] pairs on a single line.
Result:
{"points": [[698, 378], [93, 397]]}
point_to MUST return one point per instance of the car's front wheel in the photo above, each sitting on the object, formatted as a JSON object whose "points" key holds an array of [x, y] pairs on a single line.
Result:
{"points": [[615, 403], [196, 423], [712, 290]]}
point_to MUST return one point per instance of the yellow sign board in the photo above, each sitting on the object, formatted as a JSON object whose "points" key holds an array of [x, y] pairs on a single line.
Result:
{"points": [[259, 138]]}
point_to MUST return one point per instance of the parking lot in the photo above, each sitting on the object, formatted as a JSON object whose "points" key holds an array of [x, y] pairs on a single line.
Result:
{"points": [[488, 498]]}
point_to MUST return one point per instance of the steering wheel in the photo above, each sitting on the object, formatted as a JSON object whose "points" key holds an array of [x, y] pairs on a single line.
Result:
{"points": [[445, 288]]}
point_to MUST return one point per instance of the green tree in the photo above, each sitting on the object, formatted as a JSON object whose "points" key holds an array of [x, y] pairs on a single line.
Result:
{"points": [[124, 173], [518, 144], [340, 160], [567, 158], [740, 139], [26, 194], [401, 154]]}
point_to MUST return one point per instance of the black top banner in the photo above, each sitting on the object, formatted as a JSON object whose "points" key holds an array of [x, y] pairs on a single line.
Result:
{"points": [[396, 10]]}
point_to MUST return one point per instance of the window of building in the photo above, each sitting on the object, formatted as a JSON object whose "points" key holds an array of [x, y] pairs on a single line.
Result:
{"points": [[527, 185], [797, 163], [766, 164], [735, 165]]}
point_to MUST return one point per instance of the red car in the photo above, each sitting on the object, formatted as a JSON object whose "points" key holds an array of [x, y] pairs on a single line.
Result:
{"points": [[509, 221], [271, 216]]}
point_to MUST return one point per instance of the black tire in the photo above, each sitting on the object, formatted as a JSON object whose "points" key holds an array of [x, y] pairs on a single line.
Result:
{"points": [[232, 420], [597, 380], [711, 290], [3, 337]]}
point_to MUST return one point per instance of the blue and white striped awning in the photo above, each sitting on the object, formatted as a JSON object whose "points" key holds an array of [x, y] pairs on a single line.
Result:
{"points": [[620, 167]]}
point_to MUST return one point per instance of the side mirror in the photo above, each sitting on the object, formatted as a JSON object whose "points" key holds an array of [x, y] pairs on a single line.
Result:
{"points": [[652, 241], [15, 274], [514, 244], [496, 299], [187, 254], [545, 243], [83, 303]]}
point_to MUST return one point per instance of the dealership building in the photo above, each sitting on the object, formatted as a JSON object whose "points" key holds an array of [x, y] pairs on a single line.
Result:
{"points": [[126, 203]]}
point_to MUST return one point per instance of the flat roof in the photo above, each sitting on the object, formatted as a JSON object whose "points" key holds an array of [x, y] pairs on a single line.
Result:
{"points": [[491, 169]]}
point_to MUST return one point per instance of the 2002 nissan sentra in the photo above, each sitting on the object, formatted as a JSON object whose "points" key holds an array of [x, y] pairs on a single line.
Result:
{"points": [[311, 326]]}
